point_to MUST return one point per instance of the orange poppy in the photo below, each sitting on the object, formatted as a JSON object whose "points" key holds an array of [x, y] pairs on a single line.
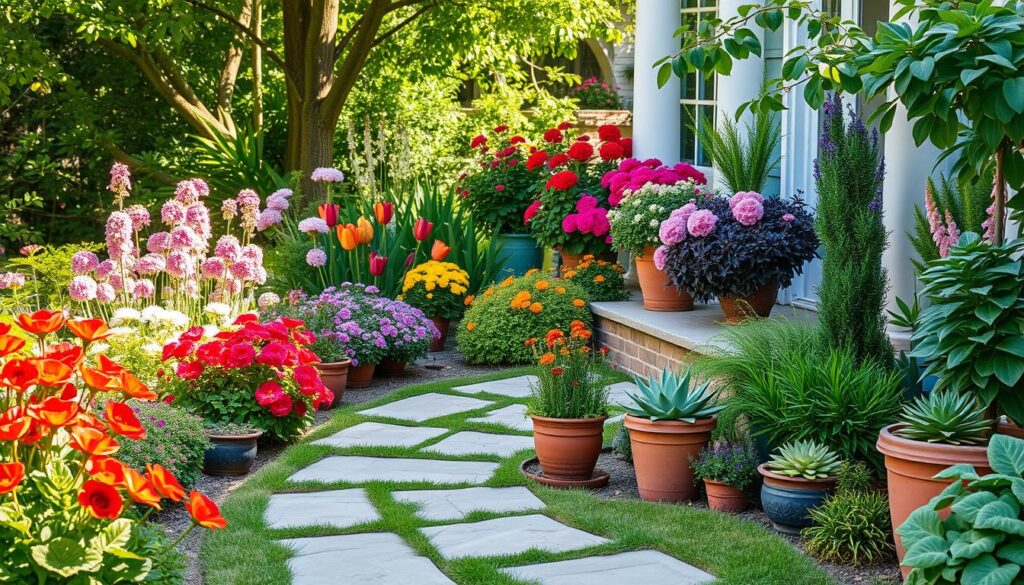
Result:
{"points": [[100, 380], [10, 344], [14, 424], [68, 353], [89, 329], [11, 475], [105, 469], [100, 499], [41, 322], [439, 251], [141, 489], [93, 441], [165, 482], [122, 420], [20, 374], [204, 512], [52, 373], [55, 412], [547, 359], [134, 387]]}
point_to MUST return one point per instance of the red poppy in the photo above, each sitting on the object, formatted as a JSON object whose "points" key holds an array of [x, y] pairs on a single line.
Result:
{"points": [[19, 374], [581, 151], [93, 441], [5, 328], [536, 159], [421, 230], [100, 380], [122, 420], [562, 181], [14, 424], [134, 387], [609, 133], [52, 373], [10, 344], [204, 512], [439, 251], [141, 489], [100, 499], [189, 370], [89, 329], [11, 475], [105, 469], [55, 412], [66, 352], [41, 322], [165, 482]]}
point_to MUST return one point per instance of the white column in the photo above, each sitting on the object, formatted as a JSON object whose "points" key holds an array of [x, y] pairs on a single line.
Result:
{"points": [[656, 111]]}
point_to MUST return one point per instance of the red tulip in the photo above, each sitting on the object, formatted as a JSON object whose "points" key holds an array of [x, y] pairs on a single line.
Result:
{"points": [[421, 230], [384, 210], [377, 263], [329, 213], [439, 251]]}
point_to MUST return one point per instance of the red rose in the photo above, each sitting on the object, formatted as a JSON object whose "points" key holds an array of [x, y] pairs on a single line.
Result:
{"points": [[609, 133], [273, 354], [189, 370], [210, 353], [581, 151], [627, 147], [500, 129], [559, 160], [565, 125], [562, 181], [478, 140], [239, 355], [246, 318], [100, 499], [283, 406], [583, 138], [553, 135], [531, 211], [517, 139], [193, 334], [536, 159], [507, 152], [269, 393], [611, 151], [325, 398], [306, 376], [177, 349]]}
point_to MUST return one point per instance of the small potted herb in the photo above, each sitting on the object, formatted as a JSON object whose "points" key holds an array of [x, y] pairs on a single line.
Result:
{"points": [[727, 470], [797, 479], [669, 425], [232, 449]]}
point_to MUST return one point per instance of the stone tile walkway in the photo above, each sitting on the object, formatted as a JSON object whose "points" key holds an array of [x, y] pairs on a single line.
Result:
{"points": [[382, 558]]}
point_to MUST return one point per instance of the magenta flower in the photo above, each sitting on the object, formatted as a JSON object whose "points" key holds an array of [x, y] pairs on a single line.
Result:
{"points": [[213, 267], [248, 198], [120, 179], [228, 248], [748, 211], [143, 288], [586, 202], [180, 265], [788, 217], [191, 190], [660, 256], [150, 264], [701, 223], [105, 292], [184, 238], [569, 223], [106, 268], [172, 213], [267, 218], [139, 215], [158, 242], [119, 234]]}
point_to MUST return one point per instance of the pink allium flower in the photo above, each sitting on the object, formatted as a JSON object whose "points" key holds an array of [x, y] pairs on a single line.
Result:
{"points": [[268, 299], [191, 288], [267, 218], [701, 223], [277, 202], [180, 264], [197, 217], [569, 223], [82, 288], [119, 234], [586, 202], [140, 217], [788, 217], [660, 256], [252, 252], [672, 231], [229, 209], [172, 213], [106, 268], [191, 190], [159, 242], [228, 248], [316, 258], [11, 280], [118, 283], [261, 275], [243, 270], [313, 225], [248, 198], [150, 264], [748, 211], [105, 293], [327, 175], [184, 238], [213, 267], [285, 192], [84, 262], [120, 180], [143, 288]]}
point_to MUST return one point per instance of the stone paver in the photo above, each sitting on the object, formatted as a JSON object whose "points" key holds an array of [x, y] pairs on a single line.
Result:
{"points": [[617, 393], [512, 416], [426, 406], [381, 435], [645, 566], [359, 469], [381, 558], [518, 387], [338, 508], [507, 536], [445, 505], [469, 442]]}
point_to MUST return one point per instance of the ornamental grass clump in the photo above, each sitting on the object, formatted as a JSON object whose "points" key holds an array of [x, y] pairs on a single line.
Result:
{"points": [[600, 279], [508, 313], [439, 289], [566, 384], [64, 493], [852, 527]]}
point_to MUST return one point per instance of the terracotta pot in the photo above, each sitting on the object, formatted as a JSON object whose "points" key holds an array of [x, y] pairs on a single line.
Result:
{"points": [[335, 377], [725, 498], [360, 376], [787, 501], [659, 292], [910, 468], [1008, 427], [442, 325], [230, 454], [739, 308], [661, 456], [390, 368], [570, 261], [567, 448]]}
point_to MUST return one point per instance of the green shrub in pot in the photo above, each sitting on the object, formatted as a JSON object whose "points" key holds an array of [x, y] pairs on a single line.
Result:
{"points": [[945, 417]]}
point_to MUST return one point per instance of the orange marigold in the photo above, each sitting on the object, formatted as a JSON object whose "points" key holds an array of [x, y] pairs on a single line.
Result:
{"points": [[579, 303], [547, 359], [532, 271], [560, 290], [599, 278], [569, 274], [470, 326], [508, 281], [530, 342], [468, 301], [542, 285], [489, 292], [536, 308]]}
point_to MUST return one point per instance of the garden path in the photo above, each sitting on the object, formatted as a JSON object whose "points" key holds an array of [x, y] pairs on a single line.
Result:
{"points": [[462, 519]]}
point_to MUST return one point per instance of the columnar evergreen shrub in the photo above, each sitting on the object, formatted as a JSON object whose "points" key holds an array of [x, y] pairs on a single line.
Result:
{"points": [[848, 175]]}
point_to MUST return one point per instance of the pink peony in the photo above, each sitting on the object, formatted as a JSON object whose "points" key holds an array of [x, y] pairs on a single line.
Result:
{"points": [[660, 256], [316, 258], [269, 393], [748, 211], [741, 195], [84, 262], [701, 223], [586, 202], [585, 222], [569, 223], [82, 288], [283, 407], [150, 264]]}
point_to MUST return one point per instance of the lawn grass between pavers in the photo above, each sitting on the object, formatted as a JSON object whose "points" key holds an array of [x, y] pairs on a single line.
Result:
{"points": [[738, 552]]}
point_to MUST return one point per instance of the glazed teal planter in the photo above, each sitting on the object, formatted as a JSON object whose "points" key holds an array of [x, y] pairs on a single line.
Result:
{"points": [[788, 501], [520, 254]]}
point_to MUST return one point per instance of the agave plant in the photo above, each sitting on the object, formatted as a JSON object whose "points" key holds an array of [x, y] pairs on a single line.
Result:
{"points": [[671, 397], [945, 417], [806, 459]]}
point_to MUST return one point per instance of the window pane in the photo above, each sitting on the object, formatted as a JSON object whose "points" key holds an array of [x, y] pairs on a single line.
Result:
{"points": [[707, 88], [688, 86], [690, 4], [706, 113], [688, 143], [708, 3]]}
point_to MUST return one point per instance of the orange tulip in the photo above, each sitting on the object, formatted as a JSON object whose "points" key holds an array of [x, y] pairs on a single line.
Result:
{"points": [[122, 420], [384, 211], [165, 482], [41, 322], [20, 374], [134, 387], [11, 475], [105, 469], [100, 499], [89, 329], [204, 512], [439, 251], [52, 372], [348, 236], [10, 344], [141, 489], [93, 441], [329, 213], [55, 412], [364, 229]]}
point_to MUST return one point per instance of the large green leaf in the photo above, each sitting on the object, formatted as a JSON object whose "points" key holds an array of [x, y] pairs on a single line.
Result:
{"points": [[931, 551], [969, 506], [1006, 455], [986, 570], [999, 516], [922, 523], [972, 543], [66, 557]]}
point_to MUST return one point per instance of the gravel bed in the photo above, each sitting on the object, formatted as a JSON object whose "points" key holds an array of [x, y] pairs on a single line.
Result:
{"points": [[436, 366]]}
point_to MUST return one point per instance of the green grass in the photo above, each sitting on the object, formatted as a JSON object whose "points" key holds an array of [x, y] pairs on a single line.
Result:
{"points": [[736, 551]]}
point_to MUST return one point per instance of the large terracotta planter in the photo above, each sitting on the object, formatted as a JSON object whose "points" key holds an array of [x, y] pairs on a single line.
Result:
{"points": [[360, 376], [390, 368], [335, 377], [442, 325], [661, 455], [570, 261], [910, 469], [788, 501], [725, 498], [567, 448], [230, 455], [659, 292], [757, 304]]}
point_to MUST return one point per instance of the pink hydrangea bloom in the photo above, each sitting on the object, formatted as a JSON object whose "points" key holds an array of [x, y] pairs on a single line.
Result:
{"points": [[586, 202], [143, 288], [313, 225], [327, 175], [685, 211], [228, 248], [741, 195], [660, 256], [105, 293], [213, 267], [84, 262], [119, 234], [569, 223], [106, 268], [701, 223], [268, 217], [82, 288], [316, 258], [150, 264], [139, 215], [672, 231], [748, 211], [172, 213], [180, 264]]}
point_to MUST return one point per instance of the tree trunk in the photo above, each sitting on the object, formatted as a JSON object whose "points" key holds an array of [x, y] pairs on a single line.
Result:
{"points": [[999, 197], [316, 144]]}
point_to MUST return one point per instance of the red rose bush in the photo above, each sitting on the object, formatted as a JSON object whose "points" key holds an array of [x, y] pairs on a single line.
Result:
{"points": [[259, 375]]}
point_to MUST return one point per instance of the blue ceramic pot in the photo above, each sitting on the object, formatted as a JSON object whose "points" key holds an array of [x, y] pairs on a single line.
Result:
{"points": [[230, 454], [787, 501], [520, 254]]}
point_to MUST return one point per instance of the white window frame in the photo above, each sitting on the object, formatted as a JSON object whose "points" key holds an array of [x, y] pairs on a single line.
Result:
{"points": [[696, 102]]}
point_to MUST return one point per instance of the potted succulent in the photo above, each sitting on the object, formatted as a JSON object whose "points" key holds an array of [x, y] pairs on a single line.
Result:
{"points": [[497, 190], [232, 449], [797, 478], [670, 423], [740, 249], [568, 405], [438, 289], [727, 470], [635, 227], [571, 212]]}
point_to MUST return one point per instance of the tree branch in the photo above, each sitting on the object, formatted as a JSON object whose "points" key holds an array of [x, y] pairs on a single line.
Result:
{"points": [[271, 54], [405, 22], [134, 163], [229, 72], [347, 71]]}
